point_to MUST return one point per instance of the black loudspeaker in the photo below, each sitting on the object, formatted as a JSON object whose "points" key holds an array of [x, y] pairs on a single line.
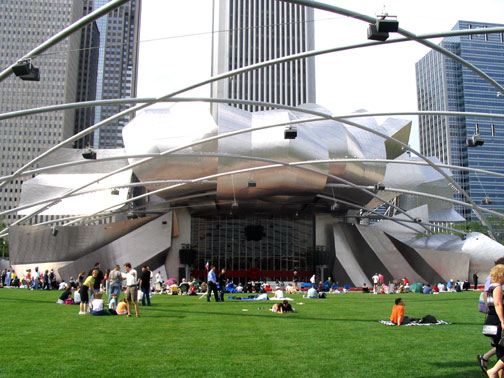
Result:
{"points": [[375, 35], [187, 256], [254, 232]]}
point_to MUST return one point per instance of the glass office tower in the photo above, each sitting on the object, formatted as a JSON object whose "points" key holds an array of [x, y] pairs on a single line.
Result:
{"points": [[443, 84], [109, 59]]}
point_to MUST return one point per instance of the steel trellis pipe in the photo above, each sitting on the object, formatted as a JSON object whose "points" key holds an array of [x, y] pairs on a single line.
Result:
{"points": [[65, 33]]}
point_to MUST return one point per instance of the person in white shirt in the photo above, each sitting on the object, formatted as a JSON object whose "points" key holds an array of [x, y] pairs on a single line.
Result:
{"points": [[97, 305], [312, 279], [375, 279], [312, 293], [131, 278], [278, 293], [77, 297]]}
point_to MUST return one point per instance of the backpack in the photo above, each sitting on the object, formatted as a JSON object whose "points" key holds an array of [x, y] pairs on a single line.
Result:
{"points": [[428, 319]]}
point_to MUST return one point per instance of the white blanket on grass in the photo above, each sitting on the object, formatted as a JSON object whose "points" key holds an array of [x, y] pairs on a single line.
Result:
{"points": [[389, 323]]}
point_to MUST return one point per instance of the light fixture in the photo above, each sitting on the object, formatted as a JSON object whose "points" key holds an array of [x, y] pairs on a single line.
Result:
{"points": [[234, 205], [475, 141], [252, 183], [379, 187], [89, 154], [334, 206], [375, 35], [54, 231], [384, 24], [486, 201], [290, 133], [26, 71], [115, 192]]}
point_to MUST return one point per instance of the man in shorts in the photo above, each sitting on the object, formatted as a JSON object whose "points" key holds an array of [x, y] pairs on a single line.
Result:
{"points": [[131, 288]]}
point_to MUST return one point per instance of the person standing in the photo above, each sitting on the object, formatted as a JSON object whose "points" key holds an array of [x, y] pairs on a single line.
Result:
{"points": [[212, 284], [99, 277], [483, 358], [145, 285], [222, 284], [8, 276], [495, 315], [106, 278], [46, 281], [475, 280], [131, 278], [295, 279], [313, 279], [36, 279], [375, 280], [52, 279], [87, 286], [115, 281], [159, 282]]}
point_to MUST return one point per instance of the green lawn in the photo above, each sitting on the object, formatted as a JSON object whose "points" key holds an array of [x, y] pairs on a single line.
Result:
{"points": [[181, 336]]}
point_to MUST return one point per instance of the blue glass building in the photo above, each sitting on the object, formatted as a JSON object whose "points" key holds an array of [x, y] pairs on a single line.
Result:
{"points": [[443, 84]]}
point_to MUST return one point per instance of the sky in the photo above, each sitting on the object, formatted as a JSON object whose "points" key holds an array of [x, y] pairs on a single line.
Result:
{"points": [[175, 50]]}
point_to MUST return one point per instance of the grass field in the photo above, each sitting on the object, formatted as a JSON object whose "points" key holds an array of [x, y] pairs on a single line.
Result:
{"points": [[182, 336]]}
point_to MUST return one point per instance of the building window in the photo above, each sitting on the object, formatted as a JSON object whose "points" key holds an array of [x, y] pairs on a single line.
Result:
{"points": [[476, 129], [493, 129]]}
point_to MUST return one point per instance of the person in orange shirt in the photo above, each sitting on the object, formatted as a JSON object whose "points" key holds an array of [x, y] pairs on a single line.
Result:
{"points": [[397, 316]]}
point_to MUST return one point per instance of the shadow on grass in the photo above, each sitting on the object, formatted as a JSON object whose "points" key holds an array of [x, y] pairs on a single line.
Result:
{"points": [[268, 315], [472, 371], [27, 300], [458, 374]]}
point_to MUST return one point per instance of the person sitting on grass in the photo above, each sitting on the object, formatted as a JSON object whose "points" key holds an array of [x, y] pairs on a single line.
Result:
{"points": [[278, 293], [312, 292], [76, 296], [112, 305], [290, 289], [65, 295], [97, 305], [397, 317], [122, 307]]}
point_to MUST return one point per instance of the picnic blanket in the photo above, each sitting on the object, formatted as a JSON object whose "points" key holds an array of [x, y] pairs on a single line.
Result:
{"points": [[413, 323], [281, 299]]}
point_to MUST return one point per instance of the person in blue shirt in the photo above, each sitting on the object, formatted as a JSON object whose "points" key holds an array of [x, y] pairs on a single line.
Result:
{"points": [[212, 284], [427, 289]]}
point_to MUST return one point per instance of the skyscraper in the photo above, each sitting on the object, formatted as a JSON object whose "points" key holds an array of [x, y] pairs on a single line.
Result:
{"points": [[23, 26], [248, 32], [109, 57], [99, 62], [443, 84]]}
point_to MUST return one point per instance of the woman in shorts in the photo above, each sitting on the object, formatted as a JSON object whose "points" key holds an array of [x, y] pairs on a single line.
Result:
{"points": [[87, 286]]}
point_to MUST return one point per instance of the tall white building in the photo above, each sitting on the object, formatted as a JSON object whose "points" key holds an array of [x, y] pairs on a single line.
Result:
{"points": [[248, 32]]}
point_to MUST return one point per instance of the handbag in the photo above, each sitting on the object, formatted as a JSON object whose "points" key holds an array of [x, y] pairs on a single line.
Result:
{"points": [[490, 330], [482, 307]]}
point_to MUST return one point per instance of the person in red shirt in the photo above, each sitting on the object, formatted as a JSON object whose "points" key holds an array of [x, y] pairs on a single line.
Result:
{"points": [[397, 317]]}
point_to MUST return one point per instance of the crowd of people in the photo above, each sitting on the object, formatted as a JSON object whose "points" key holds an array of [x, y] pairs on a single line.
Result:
{"points": [[404, 286], [31, 280]]}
